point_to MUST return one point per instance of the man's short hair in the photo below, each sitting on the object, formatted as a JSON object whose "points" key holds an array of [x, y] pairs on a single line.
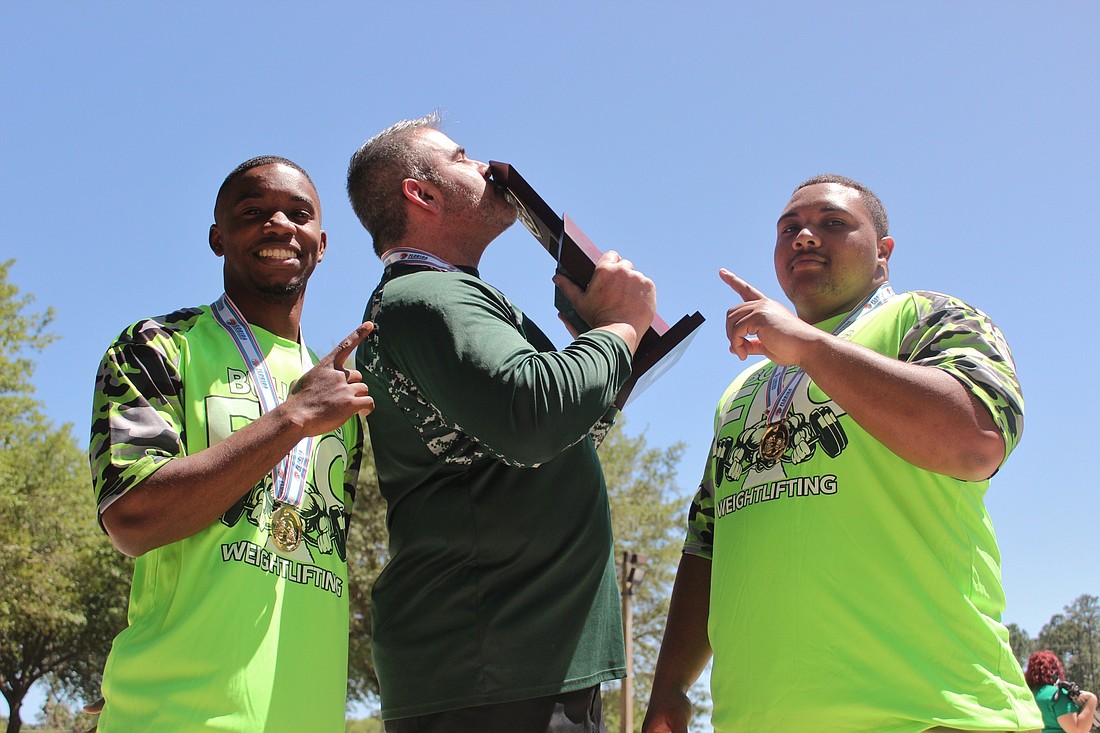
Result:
{"points": [[375, 174], [248, 165], [870, 200]]}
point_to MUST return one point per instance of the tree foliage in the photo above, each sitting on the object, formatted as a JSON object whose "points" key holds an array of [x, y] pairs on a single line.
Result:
{"points": [[647, 514], [20, 334], [367, 554], [1074, 635], [65, 587]]}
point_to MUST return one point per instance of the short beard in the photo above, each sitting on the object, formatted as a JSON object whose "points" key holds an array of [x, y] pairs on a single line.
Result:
{"points": [[282, 292]]}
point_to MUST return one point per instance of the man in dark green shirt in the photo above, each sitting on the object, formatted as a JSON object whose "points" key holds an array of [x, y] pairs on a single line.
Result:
{"points": [[499, 607]]}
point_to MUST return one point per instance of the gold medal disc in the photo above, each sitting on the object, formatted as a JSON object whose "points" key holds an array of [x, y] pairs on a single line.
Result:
{"points": [[773, 444], [286, 528]]}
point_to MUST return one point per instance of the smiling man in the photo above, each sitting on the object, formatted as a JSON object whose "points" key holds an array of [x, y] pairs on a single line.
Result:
{"points": [[498, 611], [225, 462], [840, 561]]}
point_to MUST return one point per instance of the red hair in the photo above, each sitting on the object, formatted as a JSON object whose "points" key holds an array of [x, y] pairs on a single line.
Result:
{"points": [[1043, 668]]}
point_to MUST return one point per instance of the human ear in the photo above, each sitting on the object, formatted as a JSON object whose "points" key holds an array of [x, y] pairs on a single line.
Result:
{"points": [[885, 248], [215, 239], [423, 194]]}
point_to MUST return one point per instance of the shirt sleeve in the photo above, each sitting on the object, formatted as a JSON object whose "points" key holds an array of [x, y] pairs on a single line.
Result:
{"points": [[492, 373], [963, 341], [700, 521], [137, 414]]}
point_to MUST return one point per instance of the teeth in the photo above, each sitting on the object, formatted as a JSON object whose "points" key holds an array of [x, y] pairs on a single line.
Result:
{"points": [[280, 253]]}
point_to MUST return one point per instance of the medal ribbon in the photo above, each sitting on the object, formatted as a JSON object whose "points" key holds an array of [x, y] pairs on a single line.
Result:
{"points": [[289, 475], [412, 256], [779, 395]]}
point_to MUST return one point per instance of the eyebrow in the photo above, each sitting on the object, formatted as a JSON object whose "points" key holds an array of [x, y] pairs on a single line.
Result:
{"points": [[459, 152], [824, 209], [247, 195]]}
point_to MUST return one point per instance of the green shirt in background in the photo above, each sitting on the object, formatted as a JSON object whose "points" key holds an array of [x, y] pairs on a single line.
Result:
{"points": [[225, 632], [500, 584], [1053, 704], [852, 591]]}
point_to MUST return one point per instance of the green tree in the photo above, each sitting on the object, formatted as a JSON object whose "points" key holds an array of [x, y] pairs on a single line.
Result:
{"points": [[65, 587], [1074, 635], [363, 725], [367, 553], [59, 717], [1021, 644], [648, 513]]}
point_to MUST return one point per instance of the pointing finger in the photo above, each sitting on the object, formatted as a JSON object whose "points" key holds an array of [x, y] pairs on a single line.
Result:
{"points": [[742, 288], [343, 350]]}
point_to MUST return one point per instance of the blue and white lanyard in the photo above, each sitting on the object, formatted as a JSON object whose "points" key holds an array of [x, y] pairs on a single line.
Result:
{"points": [[779, 395], [411, 256], [289, 475]]}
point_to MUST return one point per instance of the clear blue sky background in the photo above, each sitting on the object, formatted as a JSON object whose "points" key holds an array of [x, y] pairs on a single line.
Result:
{"points": [[674, 132]]}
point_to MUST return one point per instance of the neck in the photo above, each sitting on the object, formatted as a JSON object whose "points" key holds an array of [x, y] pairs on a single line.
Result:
{"points": [[280, 315], [449, 245], [814, 313]]}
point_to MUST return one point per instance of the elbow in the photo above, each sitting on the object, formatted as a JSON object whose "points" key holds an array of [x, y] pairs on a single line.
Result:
{"points": [[981, 458], [126, 532]]}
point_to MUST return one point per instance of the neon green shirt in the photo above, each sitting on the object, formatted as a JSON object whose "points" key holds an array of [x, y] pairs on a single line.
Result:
{"points": [[852, 591], [225, 632]]}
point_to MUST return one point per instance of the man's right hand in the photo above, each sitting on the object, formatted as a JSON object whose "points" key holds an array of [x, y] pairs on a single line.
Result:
{"points": [[190, 492], [618, 298], [669, 712], [328, 394]]}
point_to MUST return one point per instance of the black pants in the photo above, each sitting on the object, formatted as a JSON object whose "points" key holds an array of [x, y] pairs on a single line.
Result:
{"points": [[568, 712]]}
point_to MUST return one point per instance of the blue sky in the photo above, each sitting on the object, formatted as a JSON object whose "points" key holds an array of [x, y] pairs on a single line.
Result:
{"points": [[673, 132]]}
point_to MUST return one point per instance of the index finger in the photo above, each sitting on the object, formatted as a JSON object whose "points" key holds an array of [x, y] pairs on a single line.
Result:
{"points": [[742, 288], [343, 350]]}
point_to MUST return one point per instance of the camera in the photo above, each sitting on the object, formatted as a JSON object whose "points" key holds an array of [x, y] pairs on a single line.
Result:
{"points": [[1072, 689]]}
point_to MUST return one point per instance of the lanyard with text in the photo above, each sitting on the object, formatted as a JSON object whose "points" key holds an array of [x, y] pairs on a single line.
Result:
{"points": [[289, 475], [777, 436], [411, 256]]}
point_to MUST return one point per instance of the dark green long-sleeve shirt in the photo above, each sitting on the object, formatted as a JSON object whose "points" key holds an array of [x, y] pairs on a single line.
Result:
{"points": [[501, 584]]}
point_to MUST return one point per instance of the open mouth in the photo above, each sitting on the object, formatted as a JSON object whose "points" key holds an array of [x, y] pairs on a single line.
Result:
{"points": [[277, 253]]}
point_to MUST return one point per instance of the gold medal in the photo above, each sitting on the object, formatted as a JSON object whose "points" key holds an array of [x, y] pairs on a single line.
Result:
{"points": [[286, 528], [774, 441]]}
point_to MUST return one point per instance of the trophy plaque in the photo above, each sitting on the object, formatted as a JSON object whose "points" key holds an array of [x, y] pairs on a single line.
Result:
{"points": [[661, 345]]}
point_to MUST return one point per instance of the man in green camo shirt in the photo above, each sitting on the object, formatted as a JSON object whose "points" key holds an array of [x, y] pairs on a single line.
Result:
{"points": [[238, 620], [840, 561], [499, 608]]}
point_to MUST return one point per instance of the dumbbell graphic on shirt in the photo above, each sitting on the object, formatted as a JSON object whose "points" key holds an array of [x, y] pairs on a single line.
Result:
{"points": [[821, 428]]}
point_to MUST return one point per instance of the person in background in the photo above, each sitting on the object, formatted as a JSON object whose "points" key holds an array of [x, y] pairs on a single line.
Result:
{"points": [[1061, 712]]}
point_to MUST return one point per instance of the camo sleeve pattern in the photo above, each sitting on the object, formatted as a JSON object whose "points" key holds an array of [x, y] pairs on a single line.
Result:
{"points": [[137, 413], [700, 520], [936, 330], [963, 341]]}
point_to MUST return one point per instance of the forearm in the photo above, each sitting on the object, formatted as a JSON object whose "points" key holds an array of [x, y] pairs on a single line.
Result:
{"points": [[923, 414], [528, 405], [189, 493], [685, 649], [1081, 721]]}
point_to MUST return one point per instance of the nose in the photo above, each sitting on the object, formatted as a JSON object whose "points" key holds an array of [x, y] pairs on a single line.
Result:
{"points": [[279, 222], [805, 239]]}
